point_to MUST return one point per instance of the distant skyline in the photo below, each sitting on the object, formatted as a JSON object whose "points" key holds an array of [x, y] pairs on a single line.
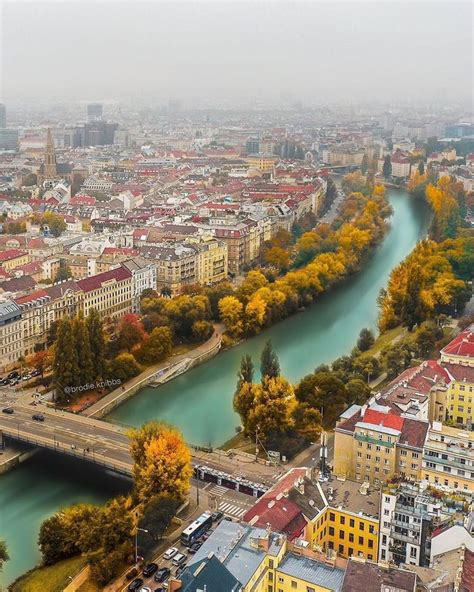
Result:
{"points": [[229, 53]]}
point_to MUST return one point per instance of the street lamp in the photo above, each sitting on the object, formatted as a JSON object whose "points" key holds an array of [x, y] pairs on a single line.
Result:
{"points": [[136, 541]]}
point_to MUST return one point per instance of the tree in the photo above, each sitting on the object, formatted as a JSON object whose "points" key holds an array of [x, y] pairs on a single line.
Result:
{"points": [[131, 333], [269, 364], [246, 371], [41, 360], [244, 401], [54, 540], [277, 257], [307, 421], [65, 364], [157, 515], [3, 554], [366, 340], [412, 307], [421, 167], [123, 367], [55, 222], [364, 167], [97, 343], [157, 347], [326, 393], [162, 462], [387, 167], [202, 330], [230, 312], [358, 391], [83, 349], [64, 273]]}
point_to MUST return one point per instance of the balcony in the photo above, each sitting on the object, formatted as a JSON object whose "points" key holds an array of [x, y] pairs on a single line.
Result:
{"points": [[451, 462], [371, 440]]}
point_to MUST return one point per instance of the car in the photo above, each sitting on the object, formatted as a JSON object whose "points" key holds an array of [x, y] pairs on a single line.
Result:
{"points": [[8, 410], [149, 570], [162, 574], [4, 382], [160, 589], [38, 417], [216, 516], [145, 589], [133, 573], [179, 559], [170, 553], [228, 518], [195, 547], [13, 374], [135, 585], [14, 381], [26, 377], [35, 373], [179, 570]]}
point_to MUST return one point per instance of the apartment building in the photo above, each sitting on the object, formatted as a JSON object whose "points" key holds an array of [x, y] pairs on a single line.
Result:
{"points": [[13, 258], [265, 163], [10, 333], [212, 260], [110, 293], [143, 278], [263, 561], [176, 266], [409, 515], [373, 443], [448, 458], [334, 515]]}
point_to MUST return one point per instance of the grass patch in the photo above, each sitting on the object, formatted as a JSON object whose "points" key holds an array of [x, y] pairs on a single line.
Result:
{"points": [[387, 338], [239, 442], [88, 587], [53, 578]]}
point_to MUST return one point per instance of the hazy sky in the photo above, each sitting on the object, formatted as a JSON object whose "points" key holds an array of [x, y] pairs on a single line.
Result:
{"points": [[211, 52]]}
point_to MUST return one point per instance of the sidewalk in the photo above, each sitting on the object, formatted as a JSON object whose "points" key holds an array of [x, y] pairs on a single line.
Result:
{"points": [[123, 392]]}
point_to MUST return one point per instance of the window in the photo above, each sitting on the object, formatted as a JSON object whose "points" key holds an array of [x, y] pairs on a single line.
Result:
{"points": [[371, 544], [371, 528], [350, 551], [413, 552], [332, 516], [270, 588], [331, 531], [342, 519], [361, 540], [341, 535], [341, 549], [294, 584], [351, 537], [370, 556], [361, 526], [351, 523], [270, 563]]}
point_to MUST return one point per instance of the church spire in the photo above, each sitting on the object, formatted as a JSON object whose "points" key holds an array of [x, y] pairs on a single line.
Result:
{"points": [[50, 171]]}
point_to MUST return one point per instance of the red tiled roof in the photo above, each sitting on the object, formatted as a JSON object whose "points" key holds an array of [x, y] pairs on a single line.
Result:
{"points": [[120, 250], [467, 578], [388, 420], [11, 254], [95, 282], [31, 297], [462, 344], [461, 372], [414, 433]]}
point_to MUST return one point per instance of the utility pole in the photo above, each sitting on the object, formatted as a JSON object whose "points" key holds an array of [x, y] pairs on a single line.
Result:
{"points": [[197, 486]]}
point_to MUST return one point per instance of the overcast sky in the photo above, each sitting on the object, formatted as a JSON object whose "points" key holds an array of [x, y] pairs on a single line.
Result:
{"points": [[209, 52]]}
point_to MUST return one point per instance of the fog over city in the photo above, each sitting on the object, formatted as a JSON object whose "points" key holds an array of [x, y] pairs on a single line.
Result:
{"points": [[208, 53]]}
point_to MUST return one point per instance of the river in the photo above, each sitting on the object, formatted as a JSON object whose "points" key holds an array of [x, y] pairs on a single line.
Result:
{"points": [[199, 402]]}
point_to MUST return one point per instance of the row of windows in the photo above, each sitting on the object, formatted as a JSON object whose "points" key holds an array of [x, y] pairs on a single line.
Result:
{"points": [[351, 537], [342, 520]]}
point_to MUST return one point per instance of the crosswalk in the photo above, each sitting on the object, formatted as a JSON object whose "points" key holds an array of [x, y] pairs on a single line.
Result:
{"points": [[232, 509], [219, 490]]}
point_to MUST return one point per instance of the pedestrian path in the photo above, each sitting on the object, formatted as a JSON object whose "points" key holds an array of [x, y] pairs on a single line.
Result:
{"points": [[232, 509]]}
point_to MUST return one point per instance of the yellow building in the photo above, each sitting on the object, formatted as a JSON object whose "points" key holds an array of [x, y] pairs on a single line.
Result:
{"points": [[265, 163], [212, 260], [263, 561], [448, 458], [13, 258]]}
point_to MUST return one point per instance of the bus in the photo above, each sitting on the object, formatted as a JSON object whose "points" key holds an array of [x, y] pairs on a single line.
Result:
{"points": [[196, 529]]}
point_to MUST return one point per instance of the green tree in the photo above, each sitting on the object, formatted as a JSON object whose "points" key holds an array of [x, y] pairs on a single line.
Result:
{"points": [[3, 554], [366, 339], [83, 349], [413, 311], [157, 515], [246, 371], [157, 347], [244, 401], [64, 273], [421, 167], [326, 393], [387, 167], [97, 343], [269, 364], [358, 391], [364, 167], [307, 421], [123, 367], [54, 540], [65, 364]]}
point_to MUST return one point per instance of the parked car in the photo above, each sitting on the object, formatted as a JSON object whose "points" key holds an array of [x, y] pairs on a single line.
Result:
{"points": [[170, 553], [36, 373], [162, 574], [135, 585], [216, 516], [26, 377], [8, 410], [133, 573], [14, 381], [145, 589], [179, 559], [38, 417], [150, 569], [179, 570], [13, 374], [195, 547]]}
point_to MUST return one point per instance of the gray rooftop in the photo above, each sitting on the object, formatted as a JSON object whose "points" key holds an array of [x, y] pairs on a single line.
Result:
{"points": [[312, 571]]}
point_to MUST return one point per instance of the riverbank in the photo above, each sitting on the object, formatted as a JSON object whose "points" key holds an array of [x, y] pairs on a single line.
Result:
{"points": [[199, 402]]}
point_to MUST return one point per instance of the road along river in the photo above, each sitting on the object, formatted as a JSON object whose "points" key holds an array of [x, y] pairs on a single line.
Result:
{"points": [[199, 402]]}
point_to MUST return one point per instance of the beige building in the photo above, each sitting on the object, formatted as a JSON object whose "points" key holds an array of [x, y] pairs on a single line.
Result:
{"points": [[13, 258], [110, 293], [374, 444], [265, 163], [448, 458]]}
